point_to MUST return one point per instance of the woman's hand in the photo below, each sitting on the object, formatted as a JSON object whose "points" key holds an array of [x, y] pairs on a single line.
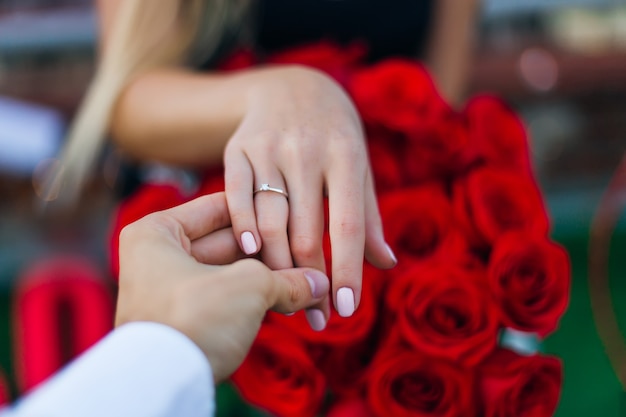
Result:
{"points": [[290, 127], [302, 134]]}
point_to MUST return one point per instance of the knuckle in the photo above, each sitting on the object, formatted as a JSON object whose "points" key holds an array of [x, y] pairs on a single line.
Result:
{"points": [[270, 229], [161, 221], [256, 275], [305, 247], [128, 233], [133, 231], [296, 295], [348, 145], [295, 149], [265, 144], [157, 217], [251, 267], [292, 145], [266, 137], [349, 227]]}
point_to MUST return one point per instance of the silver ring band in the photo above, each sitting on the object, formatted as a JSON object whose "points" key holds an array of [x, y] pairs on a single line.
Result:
{"points": [[266, 187]]}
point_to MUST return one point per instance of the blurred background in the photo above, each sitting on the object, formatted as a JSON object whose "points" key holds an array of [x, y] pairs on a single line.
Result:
{"points": [[561, 63]]}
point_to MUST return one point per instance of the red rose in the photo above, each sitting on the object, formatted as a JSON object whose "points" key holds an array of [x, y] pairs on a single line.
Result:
{"points": [[339, 331], [62, 307], [345, 367], [5, 396], [337, 61], [490, 201], [148, 199], [278, 375], [356, 407], [445, 311], [435, 148], [385, 151], [530, 278], [498, 137], [212, 182], [419, 224], [409, 384], [397, 94], [520, 386], [240, 59]]}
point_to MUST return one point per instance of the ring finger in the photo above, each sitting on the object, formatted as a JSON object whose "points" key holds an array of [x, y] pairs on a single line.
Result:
{"points": [[272, 215]]}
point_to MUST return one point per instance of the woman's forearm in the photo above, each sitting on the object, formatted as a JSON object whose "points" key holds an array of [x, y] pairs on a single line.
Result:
{"points": [[450, 46], [181, 117]]}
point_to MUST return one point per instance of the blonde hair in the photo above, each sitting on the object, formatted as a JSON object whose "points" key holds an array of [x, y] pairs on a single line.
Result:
{"points": [[145, 34]]}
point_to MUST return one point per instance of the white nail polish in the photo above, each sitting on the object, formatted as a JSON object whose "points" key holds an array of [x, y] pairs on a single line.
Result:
{"points": [[391, 254], [316, 319], [248, 243], [345, 302]]}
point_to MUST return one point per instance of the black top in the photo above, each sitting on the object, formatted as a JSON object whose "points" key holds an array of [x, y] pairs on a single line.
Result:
{"points": [[390, 27]]}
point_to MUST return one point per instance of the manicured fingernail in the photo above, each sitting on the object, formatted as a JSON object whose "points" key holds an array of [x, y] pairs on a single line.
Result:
{"points": [[391, 254], [318, 281], [345, 302], [316, 319], [248, 243]]}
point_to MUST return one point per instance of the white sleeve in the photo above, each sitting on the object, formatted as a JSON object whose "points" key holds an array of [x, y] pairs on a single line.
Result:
{"points": [[138, 370]]}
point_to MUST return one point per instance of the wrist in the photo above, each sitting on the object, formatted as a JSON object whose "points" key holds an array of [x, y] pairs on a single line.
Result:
{"points": [[285, 80]]}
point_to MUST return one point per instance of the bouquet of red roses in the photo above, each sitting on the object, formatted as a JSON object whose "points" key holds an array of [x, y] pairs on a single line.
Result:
{"points": [[445, 333]]}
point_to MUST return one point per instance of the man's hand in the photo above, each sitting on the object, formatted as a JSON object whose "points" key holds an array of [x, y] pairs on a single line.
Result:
{"points": [[168, 274]]}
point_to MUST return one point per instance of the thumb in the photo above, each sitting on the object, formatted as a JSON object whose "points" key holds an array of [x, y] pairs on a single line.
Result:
{"points": [[299, 288], [288, 290], [303, 288]]}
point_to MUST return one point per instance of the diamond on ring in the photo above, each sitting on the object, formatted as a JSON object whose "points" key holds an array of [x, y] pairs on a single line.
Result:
{"points": [[266, 187]]}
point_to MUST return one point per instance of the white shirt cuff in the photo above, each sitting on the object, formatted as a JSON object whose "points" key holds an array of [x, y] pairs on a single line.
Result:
{"points": [[140, 369]]}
